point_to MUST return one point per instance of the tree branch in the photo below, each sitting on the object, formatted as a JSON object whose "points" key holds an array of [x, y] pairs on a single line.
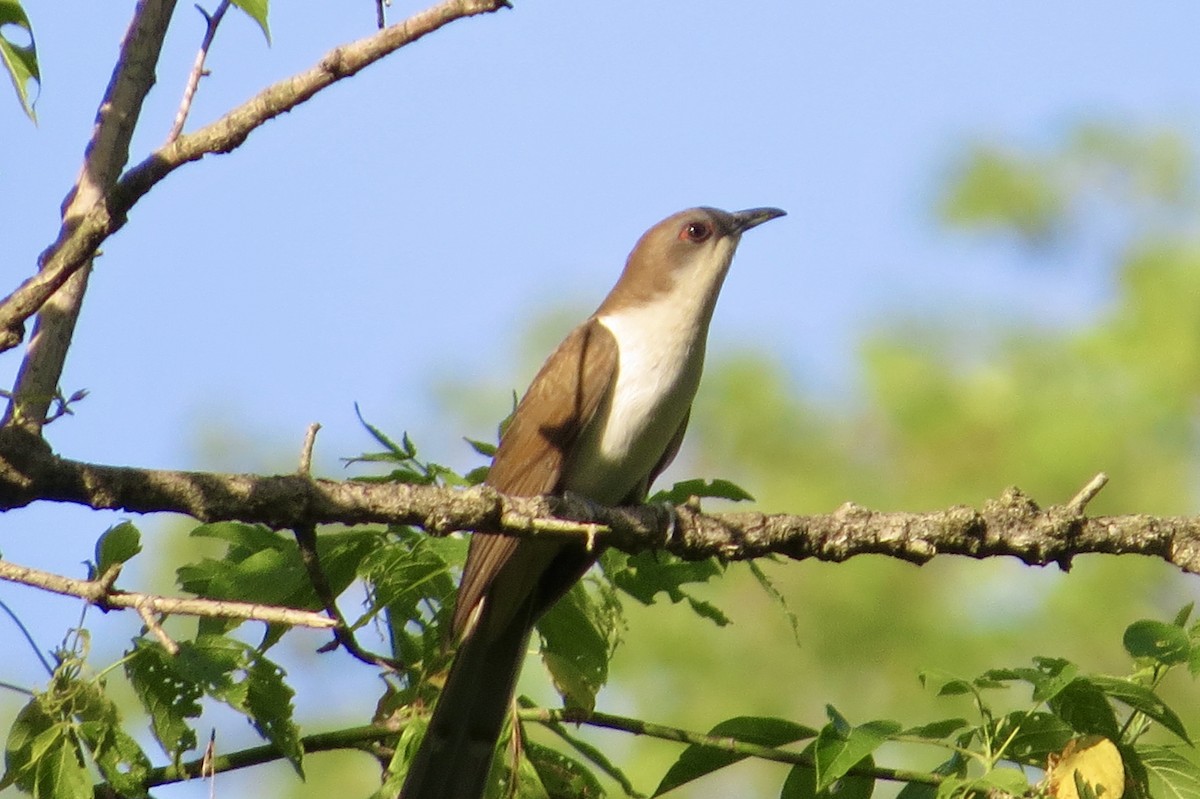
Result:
{"points": [[76, 246], [211, 23], [555, 716], [353, 738], [61, 290], [1012, 524], [101, 593]]}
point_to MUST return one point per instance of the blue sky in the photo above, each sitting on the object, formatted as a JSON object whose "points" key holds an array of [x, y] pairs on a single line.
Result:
{"points": [[406, 226]]}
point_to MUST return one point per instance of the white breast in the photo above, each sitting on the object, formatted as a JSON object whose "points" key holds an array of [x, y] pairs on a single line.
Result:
{"points": [[659, 365]]}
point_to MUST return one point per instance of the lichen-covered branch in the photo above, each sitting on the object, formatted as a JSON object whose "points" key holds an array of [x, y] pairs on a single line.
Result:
{"points": [[1012, 524]]}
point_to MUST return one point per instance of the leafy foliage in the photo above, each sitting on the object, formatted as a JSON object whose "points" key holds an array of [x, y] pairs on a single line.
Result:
{"points": [[170, 687], [257, 10], [62, 729], [698, 760], [20, 59], [118, 544], [1067, 707]]}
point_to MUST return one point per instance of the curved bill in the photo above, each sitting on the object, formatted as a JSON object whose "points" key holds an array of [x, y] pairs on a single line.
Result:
{"points": [[753, 217]]}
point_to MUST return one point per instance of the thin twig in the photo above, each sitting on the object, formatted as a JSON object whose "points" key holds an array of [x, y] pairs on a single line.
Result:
{"points": [[154, 625], [1086, 494], [720, 743], [306, 450], [96, 593], [380, 18], [306, 540], [353, 738], [28, 637], [193, 82]]}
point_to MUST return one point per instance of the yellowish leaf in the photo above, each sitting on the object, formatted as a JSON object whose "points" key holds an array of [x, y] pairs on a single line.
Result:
{"points": [[1098, 764]]}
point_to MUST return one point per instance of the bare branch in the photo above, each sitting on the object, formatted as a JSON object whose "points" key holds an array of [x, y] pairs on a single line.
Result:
{"points": [[100, 592], [154, 625], [1011, 525], [1086, 494], [362, 738], [77, 245], [211, 21], [104, 158], [306, 451], [306, 540]]}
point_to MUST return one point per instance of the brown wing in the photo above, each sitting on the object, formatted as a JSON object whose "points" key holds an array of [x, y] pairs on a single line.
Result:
{"points": [[562, 398]]}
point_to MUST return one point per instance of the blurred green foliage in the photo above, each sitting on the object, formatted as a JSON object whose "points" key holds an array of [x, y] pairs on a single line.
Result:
{"points": [[941, 421]]}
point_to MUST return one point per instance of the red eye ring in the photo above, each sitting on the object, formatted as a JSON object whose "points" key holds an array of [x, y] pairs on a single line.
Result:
{"points": [[695, 232]]}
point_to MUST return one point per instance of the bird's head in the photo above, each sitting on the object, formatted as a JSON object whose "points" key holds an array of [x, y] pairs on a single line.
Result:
{"points": [[685, 255]]}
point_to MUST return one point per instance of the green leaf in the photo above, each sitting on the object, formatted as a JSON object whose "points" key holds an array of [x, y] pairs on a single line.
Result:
{"points": [[403, 457], [121, 761], [707, 610], [588, 752], [20, 758], [19, 59], [936, 729], [229, 671], [522, 783], [1032, 736], [1144, 700], [257, 10], [775, 594], [719, 489], [404, 576], [579, 634], [1008, 781], [1166, 643], [117, 545], [43, 755], [45, 750], [697, 761], [1048, 678], [169, 698], [562, 775], [944, 684], [1179, 775], [236, 674], [644, 575], [402, 757], [61, 772], [801, 784], [264, 567], [268, 704], [1084, 707], [840, 747], [1185, 613], [484, 448], [917, 790]]}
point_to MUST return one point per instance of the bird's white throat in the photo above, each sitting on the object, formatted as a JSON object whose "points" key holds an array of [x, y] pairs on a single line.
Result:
{"points": [[661, 356]]}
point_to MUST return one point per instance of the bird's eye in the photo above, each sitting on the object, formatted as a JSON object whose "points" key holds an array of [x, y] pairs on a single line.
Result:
{"points": [[695, 232]]}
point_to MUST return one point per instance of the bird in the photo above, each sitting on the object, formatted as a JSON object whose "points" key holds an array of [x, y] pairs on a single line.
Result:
{"points": [[603, 417]]}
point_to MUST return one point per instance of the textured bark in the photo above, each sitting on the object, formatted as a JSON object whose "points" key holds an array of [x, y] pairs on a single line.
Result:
{"points": [[1012, 524]]}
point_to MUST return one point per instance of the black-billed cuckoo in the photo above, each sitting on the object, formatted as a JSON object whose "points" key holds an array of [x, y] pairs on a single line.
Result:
{"points": [[604, 416]]}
